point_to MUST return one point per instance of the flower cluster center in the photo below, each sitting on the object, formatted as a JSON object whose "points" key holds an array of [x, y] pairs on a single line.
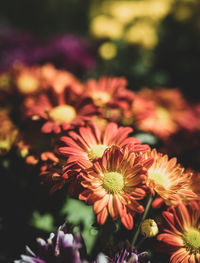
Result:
{"points": [[97, 151], [159, 178], [192, 240], [113, 182], [162, 114], [63, 113], [100, 97]]}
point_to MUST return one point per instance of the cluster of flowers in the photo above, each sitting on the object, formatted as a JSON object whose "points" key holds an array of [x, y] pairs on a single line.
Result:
{"points": [[81, 139], [134, 22], [64, 50]]}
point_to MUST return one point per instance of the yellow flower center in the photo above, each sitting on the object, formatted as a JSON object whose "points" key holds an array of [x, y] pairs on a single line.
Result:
{"points": [[159, 178], [97, 152], [100, 97], [192, 240], [63, 113], [162, 114], [113, 182]]}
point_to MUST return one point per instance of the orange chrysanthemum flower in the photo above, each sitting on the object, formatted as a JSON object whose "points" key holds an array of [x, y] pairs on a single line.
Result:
{"points": [[152, 117], [58, 79], [90, 143], [182, 233], [114, 184], [108, 91], [195, 183], [169, 180], [59, 111], [164, 112], [111, 95]]}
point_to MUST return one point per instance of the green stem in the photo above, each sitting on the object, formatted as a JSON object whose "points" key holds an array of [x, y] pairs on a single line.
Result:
{"points": [[143, 218]]}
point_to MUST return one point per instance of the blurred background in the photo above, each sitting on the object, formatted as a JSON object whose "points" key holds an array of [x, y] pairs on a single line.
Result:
{"points": [[150, 42]]}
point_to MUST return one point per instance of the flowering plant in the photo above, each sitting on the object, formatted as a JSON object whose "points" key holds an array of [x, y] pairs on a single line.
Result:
{"points": [[108, 148]]}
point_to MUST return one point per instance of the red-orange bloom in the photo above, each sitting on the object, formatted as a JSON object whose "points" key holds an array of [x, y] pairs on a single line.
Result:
{"points": [[108, 91], [90, 143], [164, 112], [58, 110], [169, 180], [111, 95], [114, 184], [182, 233], [151, 116]]}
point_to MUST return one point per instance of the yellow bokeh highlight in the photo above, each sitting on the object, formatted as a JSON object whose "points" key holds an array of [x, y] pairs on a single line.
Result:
{"points": [[133, 21], [107, 50], [142, 33], [104, 26], [127, 11]]}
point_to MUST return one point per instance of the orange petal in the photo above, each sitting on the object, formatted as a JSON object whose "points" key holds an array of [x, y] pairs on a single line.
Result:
{"points": [[127, 221], [100, 204], [102, 216]]}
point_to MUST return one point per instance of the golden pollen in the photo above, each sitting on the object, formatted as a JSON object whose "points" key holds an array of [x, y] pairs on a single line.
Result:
{"points": [[97, 151], [159, 178], [63, 113], [113, 182], [192, 240], [100, 97]]}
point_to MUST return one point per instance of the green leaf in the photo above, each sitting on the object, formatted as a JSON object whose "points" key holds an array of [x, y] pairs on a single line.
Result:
{"points": [[78, 213], [44, 222], [146, 138]]}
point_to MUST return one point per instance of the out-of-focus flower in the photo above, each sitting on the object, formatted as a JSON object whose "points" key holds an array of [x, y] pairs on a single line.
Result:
{"points": [[154, 117], [149, 228], [26, 79], [169, 180], [111, 95], [164, 112], [126, 253], [143, 34], [103, 26], [66, 51], [114, 184], [60, 109], [91, 143], [8, 132], [133, 21], [127, 11], [181, 235], [107, 50], [59, 247]]}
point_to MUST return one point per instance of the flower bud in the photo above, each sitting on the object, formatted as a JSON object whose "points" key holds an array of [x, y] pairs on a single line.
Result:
{"points": [[149, 228]]}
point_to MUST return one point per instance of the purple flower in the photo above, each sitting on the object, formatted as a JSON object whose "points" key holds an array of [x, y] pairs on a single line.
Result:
{"points": [[66, 51], [59, 248], [124, 255]]}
